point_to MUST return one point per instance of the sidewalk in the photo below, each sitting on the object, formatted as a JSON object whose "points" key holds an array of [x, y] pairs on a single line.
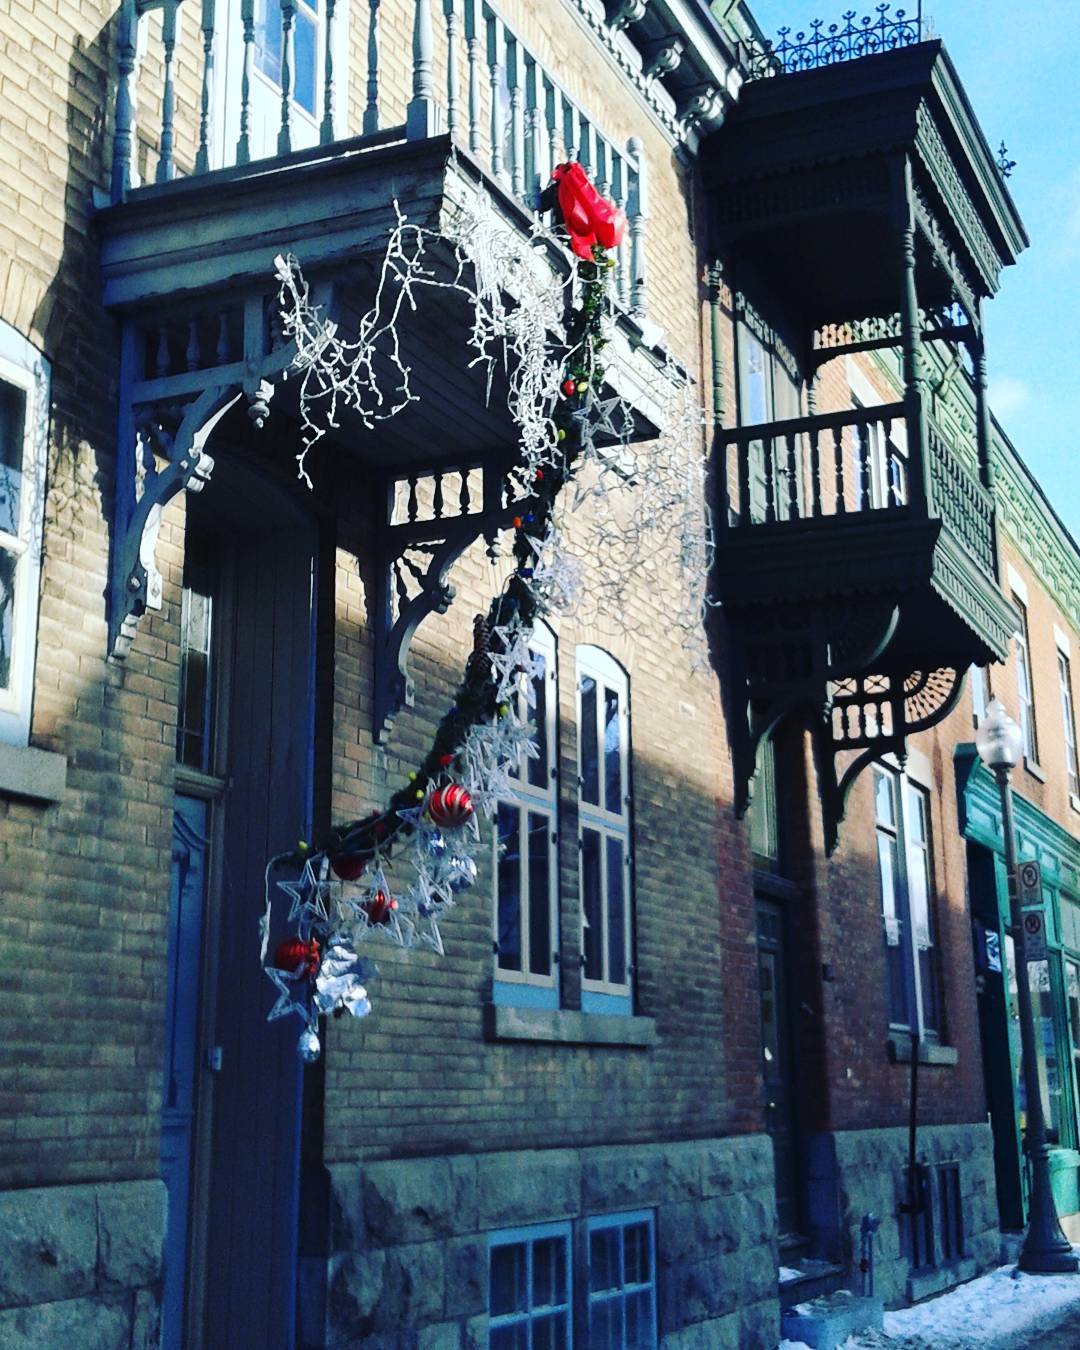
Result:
{"points": [[1004, 1310]]}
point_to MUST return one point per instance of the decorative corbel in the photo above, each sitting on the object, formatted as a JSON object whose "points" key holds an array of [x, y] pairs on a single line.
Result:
{"points": [[135, 582], [665, 58], [626, 12]]}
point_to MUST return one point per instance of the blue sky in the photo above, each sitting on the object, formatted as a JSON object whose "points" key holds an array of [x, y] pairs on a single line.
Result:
{"points": [[1019, 64]]}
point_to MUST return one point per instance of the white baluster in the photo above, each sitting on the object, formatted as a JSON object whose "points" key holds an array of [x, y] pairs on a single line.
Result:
{"points": [[421, 116], [638, 214], [371, 110], [124, 119], [551, 119]]}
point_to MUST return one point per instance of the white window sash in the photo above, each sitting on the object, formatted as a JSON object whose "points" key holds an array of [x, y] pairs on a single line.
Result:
{"points": [[22, 366], [608, 825]]}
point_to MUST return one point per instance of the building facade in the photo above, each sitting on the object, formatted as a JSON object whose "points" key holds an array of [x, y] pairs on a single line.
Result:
{"points": [[671, 1046]]}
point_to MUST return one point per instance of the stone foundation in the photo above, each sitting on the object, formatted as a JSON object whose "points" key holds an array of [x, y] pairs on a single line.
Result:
{"points": [[81, 1266], [856, 1172], [410, 1263]]}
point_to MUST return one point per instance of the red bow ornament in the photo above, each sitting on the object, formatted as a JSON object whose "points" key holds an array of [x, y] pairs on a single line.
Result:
{"points": [[589, 218]]}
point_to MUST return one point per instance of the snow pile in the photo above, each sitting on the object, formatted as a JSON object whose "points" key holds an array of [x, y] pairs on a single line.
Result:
{"points": [[994, 1306]]}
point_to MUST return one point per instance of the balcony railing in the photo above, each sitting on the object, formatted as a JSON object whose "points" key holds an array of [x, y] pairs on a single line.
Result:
{"points": [[471, 77], [825, 45], [965, 506], [849, 465], [808, 468]]}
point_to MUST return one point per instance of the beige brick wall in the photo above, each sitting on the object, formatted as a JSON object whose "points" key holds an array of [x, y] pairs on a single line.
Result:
{"points": [[85, 882]]}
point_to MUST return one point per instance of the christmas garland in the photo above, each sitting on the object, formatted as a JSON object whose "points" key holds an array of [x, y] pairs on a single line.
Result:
{"points": [[345, 893]]}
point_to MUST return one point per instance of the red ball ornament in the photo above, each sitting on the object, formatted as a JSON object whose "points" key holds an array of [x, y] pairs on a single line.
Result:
{"points": [[450, 807], [379, 907], [569, 387], [292, 953], [348, 866]]}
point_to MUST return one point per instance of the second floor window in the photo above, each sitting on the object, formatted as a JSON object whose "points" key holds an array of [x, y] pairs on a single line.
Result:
{"points": [[1025, 691], [24, 421], [268, 53], [905, 871], [604, 831], [1069, 722], [526, 865], [979, 693]]}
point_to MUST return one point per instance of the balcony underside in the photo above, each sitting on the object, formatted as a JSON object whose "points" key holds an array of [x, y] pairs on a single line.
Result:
{"points": [[950, 610], [189, 268], [807, 182], [194, 248]]}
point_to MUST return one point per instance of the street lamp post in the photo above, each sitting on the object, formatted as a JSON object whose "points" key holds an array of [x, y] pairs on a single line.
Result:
{"points": [[1046, 1249]]}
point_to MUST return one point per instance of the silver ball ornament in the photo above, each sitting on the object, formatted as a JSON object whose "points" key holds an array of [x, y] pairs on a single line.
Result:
{"points": [[308, 1047]]}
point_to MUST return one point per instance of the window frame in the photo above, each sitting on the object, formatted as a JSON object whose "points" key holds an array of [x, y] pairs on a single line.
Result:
{"points": [[907, 846], [605, 1222], [27, 369], [528, 1236], [524, 987], [1068, 718], [980, 693], [1025, 686], [606, 995]]}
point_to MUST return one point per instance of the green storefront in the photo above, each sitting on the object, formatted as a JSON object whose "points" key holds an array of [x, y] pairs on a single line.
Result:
{"points": [[1055, 985]]}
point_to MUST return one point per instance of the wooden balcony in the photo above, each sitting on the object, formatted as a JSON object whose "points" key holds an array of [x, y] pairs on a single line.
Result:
{"points": [[859, 580], [258, 170]]}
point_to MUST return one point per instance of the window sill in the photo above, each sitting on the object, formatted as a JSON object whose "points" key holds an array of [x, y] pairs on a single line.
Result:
{"points": [[38, 775], [899, 1048], [1033, 769], [563, 1026]]}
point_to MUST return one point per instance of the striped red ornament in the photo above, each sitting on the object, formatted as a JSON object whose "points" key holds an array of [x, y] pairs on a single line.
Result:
{"points": [[450, 807], [379, 907]]}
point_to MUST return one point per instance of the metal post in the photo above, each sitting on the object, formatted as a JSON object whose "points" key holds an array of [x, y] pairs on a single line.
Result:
{"points": [[1046, 1249]]}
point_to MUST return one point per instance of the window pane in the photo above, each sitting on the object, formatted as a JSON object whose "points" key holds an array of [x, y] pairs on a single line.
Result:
{"points": [[605, 1325], [616, 913], [884, 798], [12, 435], [549, 1272], [8, 569], [604, 1259], [978, 693], [755, 380], [508, 1282], [590, 769], [550, 1333], [538, 768], [637, 1254], [640, 1331], [193, 725], [268, 39], [613, 794], [1050, 1085], [539, 894], [1072, 977], [1069, 722], [590, 902], [509, 886], [306, 57]]}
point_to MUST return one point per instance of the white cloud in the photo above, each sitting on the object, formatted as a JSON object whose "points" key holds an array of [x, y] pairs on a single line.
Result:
{"points": [[1008, 395]]}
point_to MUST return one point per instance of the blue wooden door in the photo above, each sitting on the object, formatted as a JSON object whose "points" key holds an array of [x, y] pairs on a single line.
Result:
{"points": [[231, 1119]]}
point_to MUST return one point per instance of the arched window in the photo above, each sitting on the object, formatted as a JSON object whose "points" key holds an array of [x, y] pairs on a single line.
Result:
{"points": [[604, 841], [526, 931], [24, 438]]}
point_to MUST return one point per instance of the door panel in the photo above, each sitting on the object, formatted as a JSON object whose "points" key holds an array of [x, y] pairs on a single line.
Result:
{"points": [[251, 1214], [778, 1079]]}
